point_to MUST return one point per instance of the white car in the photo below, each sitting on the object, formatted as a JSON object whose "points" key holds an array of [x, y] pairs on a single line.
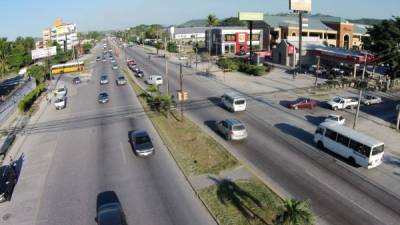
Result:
{"points": [[371, 99], [335, 118], [115, 67], [60, 102], [342, 103], [61, 91], [104, 79], [154, 80]]}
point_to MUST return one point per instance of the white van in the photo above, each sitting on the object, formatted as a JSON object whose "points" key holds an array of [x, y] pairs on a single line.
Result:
{"points": [[154, 79], [61, 90], [234, 101]]}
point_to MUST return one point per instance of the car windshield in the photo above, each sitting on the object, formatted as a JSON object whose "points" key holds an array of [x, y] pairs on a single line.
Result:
{"points": [[378, 149], [337, 100], [59, 100], [61, 89], [239, 102], [142, 139], [238, 127], [103, 95], [121, 78], [103, 77]]}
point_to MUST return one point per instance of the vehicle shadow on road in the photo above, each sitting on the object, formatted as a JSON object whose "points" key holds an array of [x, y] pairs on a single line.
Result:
{"points": [[229, 192], [296, 132], [391, 160], [18, 165], [212, 124], [285, 103], [315, 120]]}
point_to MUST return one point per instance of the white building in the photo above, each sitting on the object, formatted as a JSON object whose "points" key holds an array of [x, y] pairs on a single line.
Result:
{"points": [[187, 34], [66, 35]]}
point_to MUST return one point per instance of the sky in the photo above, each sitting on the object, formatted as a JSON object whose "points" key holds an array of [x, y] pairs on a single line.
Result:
{"points": [[30, 17]]}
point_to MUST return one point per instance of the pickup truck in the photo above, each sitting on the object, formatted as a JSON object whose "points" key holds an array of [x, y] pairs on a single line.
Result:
{"points": [[60, 102], [342, 103]]}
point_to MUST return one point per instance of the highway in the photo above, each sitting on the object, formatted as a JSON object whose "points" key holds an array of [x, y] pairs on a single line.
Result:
{"points": [[281, 152], [72, 155]]}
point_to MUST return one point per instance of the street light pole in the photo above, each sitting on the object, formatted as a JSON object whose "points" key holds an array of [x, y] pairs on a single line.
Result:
{"points": [[166, 65], [300, 37], [360, 93]]}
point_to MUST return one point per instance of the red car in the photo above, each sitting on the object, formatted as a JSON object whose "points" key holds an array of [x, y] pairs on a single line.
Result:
{"points": [[304, 104]]}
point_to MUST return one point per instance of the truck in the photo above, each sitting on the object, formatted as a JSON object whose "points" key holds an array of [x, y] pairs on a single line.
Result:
{"points": [[342, 103]]}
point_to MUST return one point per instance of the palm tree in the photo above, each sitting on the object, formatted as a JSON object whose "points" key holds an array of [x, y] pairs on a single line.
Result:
{"points": [[296, 213], [212, 20]]}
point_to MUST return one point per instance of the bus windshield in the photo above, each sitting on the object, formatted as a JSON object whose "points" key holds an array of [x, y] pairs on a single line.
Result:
{"points": [[378, 149]]}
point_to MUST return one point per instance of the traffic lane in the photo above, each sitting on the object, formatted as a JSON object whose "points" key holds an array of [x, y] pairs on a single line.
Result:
{"points": [[164, 190], [208, 89]]}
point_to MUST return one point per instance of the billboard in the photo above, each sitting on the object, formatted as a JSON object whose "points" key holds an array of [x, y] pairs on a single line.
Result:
{"points": [[43, 52], [251, 16], [300, 5]]}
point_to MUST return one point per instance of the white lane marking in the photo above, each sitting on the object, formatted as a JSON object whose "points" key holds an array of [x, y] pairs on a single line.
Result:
{"points": [[123, 152]]}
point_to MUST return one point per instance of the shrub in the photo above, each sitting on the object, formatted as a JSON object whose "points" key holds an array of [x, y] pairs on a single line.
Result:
{"points": [[26, 103], [172, 47], [228, 63], [251, 69]]}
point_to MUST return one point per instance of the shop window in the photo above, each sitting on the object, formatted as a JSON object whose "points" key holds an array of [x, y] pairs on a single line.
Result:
{"points": [[230, 37], [232, 48], [255, 37], [226, 48], [346, 42]]}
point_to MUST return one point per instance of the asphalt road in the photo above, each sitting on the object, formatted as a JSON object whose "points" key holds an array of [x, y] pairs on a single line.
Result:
{"points": [[280, 151], [72, 155]]}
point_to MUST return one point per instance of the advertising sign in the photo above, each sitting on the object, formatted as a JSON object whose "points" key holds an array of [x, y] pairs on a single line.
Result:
{"points": [[251, 16], [300, 5], [43, 52], [290, 50]]}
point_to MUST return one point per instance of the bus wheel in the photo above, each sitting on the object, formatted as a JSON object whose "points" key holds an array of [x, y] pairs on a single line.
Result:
{"points": [[320, 145], [352, 161]]}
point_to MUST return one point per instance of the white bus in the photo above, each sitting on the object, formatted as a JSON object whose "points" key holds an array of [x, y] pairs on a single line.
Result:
{"points": [[358, 148]]}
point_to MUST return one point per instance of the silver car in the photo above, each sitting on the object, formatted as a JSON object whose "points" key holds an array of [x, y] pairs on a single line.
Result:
{"points": [[371, 99], [232, 129]]}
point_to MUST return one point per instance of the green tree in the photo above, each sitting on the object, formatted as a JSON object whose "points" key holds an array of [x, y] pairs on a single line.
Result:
{"points": [[87, 47], [5, 49], [384, 41], [296, 213], [232, 21], [212, 20]]}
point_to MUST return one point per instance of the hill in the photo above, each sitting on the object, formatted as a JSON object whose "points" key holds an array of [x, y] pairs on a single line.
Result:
{"points": [[366, 21], [194, 23]]}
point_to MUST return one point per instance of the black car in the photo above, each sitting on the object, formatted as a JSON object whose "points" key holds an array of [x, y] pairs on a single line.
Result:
{"points": [[109, 209], [139, 74], [8, 179], [141, 143], [76, 80], [5, 143], [103, 97]]}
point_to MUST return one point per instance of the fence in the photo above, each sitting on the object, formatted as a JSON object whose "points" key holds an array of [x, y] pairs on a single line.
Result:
{"points": [[8, 107]]}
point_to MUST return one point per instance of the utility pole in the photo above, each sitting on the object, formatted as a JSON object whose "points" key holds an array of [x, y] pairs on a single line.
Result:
{"points": [[300, 37], [361, 89], [316, 72], [181, 87], [398, 118], [166, 65]]}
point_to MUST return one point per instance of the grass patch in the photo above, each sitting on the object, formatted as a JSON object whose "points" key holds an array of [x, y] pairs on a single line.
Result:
{"points": [[195, 151], [242, 202]]}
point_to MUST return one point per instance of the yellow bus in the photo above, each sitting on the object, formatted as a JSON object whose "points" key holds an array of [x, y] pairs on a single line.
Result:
{"points": [[67, 67]]}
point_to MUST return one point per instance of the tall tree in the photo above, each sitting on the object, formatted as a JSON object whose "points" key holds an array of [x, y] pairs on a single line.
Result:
{"points": [[296, 213], [212, 20], [5, 49], [384, 41]]}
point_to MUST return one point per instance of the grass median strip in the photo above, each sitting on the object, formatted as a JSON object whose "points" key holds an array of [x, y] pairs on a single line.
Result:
{"points": [[242, 202], [230, 202]]}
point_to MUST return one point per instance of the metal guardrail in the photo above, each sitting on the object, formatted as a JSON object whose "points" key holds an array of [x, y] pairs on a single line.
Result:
{"points": [[8, 107]]}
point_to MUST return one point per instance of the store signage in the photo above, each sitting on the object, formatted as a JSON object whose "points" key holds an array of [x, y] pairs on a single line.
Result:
{"points": [[251, 16], [300, 5], [263, 54], [290, 50], [241, 37], [43, 52]]}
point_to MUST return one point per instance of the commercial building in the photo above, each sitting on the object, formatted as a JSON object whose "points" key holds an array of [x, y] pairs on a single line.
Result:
{"points": [[232, 40], [65, 34], [331, 31], [187, 34]]}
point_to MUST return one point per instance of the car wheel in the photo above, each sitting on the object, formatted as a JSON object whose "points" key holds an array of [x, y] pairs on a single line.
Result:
{"points": [[352, 161], [335, 108], [320, 145]]}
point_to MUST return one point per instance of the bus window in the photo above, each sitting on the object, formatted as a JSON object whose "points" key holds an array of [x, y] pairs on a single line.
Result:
{"points": [[343, 140], [360, 148], [377, 150], [330, 134], [319, 131]]}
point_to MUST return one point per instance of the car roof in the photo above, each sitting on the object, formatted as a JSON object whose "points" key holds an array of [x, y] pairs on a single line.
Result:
{"points": [[233, 121], [139, 133]]}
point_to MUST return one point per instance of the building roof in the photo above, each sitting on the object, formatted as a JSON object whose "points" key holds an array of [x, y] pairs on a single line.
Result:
{"points": [[314, 23], [360, 28], [190, 30]]}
